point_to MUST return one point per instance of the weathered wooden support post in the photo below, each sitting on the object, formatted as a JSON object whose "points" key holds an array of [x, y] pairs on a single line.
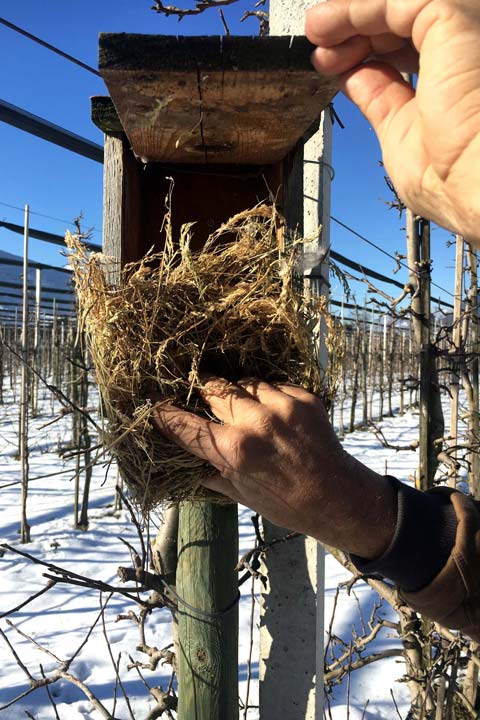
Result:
{"points": [[219, 117], [364, 365], [54, 360], [292, 623], [474, 469], [36, 338], [432, 422], [383, 364], [430, 405], [85, 440], [23, 429], [401, 372], [355, 357], [456, 349], [431, 413], [342, 393], [371, 363]]}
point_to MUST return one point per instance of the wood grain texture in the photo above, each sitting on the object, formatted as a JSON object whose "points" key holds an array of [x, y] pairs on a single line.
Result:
{"points": [[207, 579], [122, 205], [213, 99], [206, 195]]}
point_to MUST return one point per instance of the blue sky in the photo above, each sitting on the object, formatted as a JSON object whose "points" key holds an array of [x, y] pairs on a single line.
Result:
{"points": [[60, 184]]}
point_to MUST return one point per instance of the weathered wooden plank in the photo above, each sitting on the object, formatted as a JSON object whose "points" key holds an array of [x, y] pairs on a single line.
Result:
{"points": [[137, 52], [213, 99]]}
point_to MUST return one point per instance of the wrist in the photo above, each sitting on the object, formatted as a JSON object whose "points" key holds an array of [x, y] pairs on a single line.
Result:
{"points": [[358, 513]]}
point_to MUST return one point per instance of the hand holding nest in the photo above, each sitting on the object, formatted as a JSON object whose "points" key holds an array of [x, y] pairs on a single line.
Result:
{"points": [[430, 137], [276, 452]]}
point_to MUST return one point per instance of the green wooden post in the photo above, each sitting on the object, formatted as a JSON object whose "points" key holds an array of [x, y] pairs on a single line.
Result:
{"points": [[208, 640]]}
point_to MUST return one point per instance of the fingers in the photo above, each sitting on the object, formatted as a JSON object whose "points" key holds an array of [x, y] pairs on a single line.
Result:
{"points": [[241, 403], [244, 403], [334, 22], [349, 32], [250, 401], [297, 392], [221, 485], [341, 57], [380, 92], [405, 59], [262, 391], [197, 435], [280, 398], [387, 43], [227, 400], [314, 403], [388, 48]]}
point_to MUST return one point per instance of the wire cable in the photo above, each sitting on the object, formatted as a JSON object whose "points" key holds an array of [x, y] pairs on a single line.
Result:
{"points": [[208, 614], [48, 46], [48, 217], [385, 252]]}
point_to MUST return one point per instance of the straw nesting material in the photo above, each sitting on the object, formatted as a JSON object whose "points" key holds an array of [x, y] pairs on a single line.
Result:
{"points": [[231, 310]]}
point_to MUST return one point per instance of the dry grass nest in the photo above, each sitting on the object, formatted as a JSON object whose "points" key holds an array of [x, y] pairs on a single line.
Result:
{"points": [[231, 309]]}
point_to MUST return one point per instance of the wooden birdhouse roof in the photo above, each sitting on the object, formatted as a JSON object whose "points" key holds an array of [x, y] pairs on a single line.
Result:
{"points": [[238, 100]]}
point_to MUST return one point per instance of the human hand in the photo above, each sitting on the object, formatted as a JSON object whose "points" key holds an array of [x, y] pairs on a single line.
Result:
{"points": [[276, 452], [430, 137]]}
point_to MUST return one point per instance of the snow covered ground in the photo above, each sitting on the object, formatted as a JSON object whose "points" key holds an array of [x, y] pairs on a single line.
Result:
{"points": [[60, 619]]}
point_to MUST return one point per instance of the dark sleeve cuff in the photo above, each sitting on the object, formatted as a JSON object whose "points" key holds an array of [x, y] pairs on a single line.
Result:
{"points": [[423, 539]]}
